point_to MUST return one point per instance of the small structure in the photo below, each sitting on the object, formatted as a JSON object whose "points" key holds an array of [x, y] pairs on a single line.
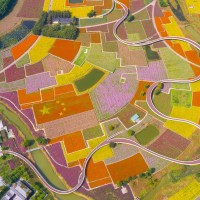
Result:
{"points": [[124, 190], [11, 134], [135, 118], [60, 20], [18, 191]]}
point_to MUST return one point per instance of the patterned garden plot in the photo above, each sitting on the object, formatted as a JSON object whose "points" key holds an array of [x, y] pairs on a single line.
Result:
{"points": [[23, 46], [92, 21], [103, 153], [189, 192], [76, 73], [92, 133], [80, 59], [70, 124], [154, 161], [7, 61], [12, 86], [182, 69], [41, 49], [112, 126], [196, 99], [148, 134], [136, 5], [39, 81], [68, 174], [143, 15], [91, 79], [95, 172], [111, 95], [135, 27], [114, 15], [25, 98], [85, 39], [95, 38], [2, 77], [31, 9], [23, 61], [55, 65], [109, 46], [121, 31], [154, 72], [101, 28], [64, 105], [131, 57], [14, 74], [184, 129], [48, 94], [169, 144], [121, 152], [181, 98], [74, 142], [105, 60], [127, 112], [125, 168], [33, 69], [65, 49]]}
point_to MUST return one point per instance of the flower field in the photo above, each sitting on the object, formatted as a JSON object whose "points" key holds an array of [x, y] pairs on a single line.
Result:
{"points": [[195, 87], [193, 6], [189, 192], [105, 60], [111, 95], [169, 144], [22, 47], [196, 97], [54, 65], [46, 5], [39, 81], [183, 129], [154, 72], [125, 168], [65, 49], [74, 74], [31, 9], [41, 49]]}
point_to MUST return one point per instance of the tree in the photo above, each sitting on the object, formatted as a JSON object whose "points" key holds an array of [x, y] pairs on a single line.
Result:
{"points": [[131, 132], [92, 13], [111, 128], [130, 18], [147, 86], [142, 93], [120, 183], [112, 144], [28, 143], [6, 6], [41, 140], [163, 3]]}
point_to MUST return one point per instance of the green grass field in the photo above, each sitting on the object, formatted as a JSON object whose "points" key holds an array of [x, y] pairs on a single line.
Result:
{"points": [[81, 56], [147, 134], [89, 80], [166, 107], [92, 133], [181, 98], [175, 66], [24, 60]]}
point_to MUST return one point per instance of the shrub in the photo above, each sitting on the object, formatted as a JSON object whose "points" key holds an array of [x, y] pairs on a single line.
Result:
{"points": [[112, 144], [6, 6], [131, 132], [28, 143], [130, 18], [163, 3], [92, 13], [42, 141]]}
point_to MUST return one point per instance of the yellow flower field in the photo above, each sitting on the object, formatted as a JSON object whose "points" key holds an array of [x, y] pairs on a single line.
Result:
{"points": [[193, 6], [41, 49], [79, 12], [174, 30], [46, 5], [190, 192], [195, 87], [76, 73], [103, 153], [183, 129]]}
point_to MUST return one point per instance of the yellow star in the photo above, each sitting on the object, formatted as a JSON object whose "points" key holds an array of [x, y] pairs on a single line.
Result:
{"points": [[64, 109], [60, 113], [57, 101], [62, 104], [45, 110]]}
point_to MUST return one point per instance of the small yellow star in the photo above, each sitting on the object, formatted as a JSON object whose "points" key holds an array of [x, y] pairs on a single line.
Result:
{"points": [[64, 109], [61, 113], [62, 104], [45, 110], [57, 101]]}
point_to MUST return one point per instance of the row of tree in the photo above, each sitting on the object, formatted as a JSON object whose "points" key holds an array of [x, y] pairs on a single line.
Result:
{"points": [[41, 141], [43, 28], [6, 6]]}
